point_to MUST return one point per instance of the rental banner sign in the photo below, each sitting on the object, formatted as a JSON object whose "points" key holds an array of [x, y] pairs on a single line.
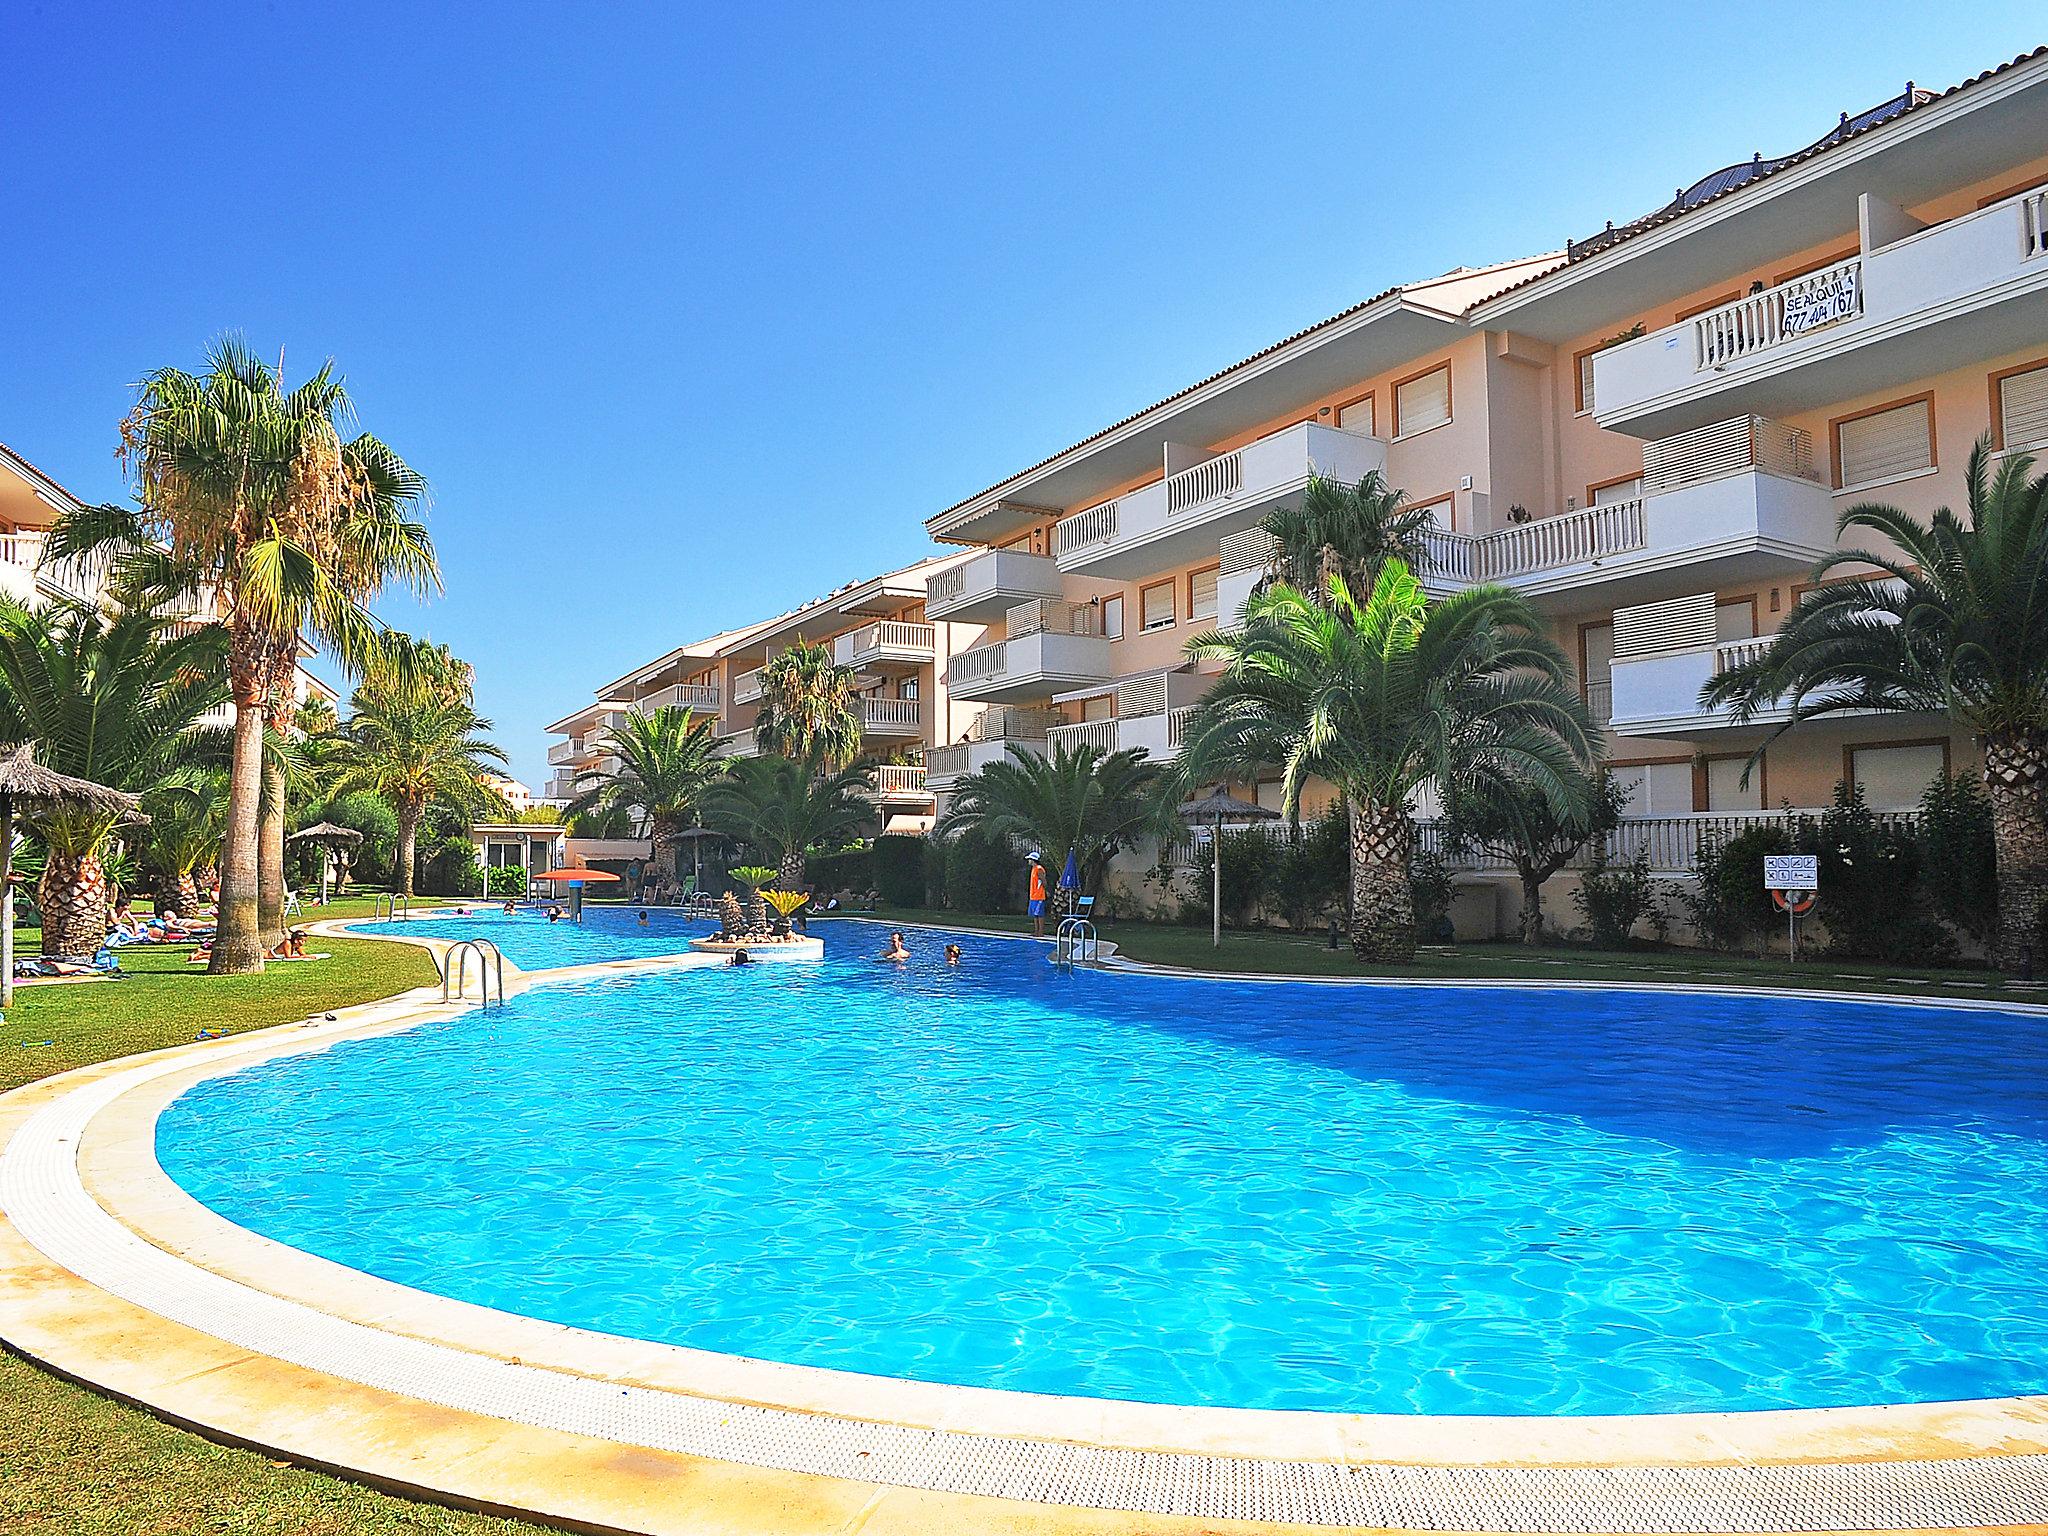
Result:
{"points": [[1823, 299]]}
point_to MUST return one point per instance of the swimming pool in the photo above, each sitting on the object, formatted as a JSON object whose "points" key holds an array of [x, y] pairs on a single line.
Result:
{"points": [[533, 943], [1252, 1194]]}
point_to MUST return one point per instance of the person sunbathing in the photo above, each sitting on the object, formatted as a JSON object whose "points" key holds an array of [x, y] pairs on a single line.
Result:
{"points": [[291, 947]]}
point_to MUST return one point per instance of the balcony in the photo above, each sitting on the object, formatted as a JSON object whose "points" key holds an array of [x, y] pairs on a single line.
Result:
{"points": [[1947, 296], [989, 739], [740, 743], [898, 782], [563, 786], [701, 698], [562, 752], [1181, 518], [746, 688], [1726, 503], [1664, 654], [891, 717], [1158, 734], [984, 588], [1050, 645], [1672, 843], [890, 642]]}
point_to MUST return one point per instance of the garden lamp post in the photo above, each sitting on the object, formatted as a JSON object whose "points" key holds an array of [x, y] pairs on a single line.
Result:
{"points": [[1215, 808]]}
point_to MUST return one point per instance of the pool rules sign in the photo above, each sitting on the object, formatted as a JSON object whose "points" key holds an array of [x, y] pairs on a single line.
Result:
{"points": [[1793, 879]]}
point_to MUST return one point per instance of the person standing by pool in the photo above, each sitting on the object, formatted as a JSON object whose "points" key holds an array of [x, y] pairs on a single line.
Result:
{"points": [[1037, 907]]}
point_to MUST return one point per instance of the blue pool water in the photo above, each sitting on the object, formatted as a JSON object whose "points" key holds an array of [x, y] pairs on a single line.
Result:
{"points": [[1262, 1195], [531, 942]]}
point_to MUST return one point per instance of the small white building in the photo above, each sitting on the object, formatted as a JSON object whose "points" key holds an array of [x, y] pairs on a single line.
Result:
{"points": [[516, 794], [535, 847]]}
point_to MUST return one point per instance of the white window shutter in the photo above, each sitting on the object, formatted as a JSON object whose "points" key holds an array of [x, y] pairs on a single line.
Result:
{"points": [[1893, 442], [2023, 408], [1423, 403]]}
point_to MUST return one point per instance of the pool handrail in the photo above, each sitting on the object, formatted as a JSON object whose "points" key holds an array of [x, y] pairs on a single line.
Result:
{"points": [[392, 905], [1074, 942], [455, 968]]}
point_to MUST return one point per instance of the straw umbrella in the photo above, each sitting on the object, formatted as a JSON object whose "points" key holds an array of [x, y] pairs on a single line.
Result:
{"points": [[1215, 808], [23, 779], [337, 842]]}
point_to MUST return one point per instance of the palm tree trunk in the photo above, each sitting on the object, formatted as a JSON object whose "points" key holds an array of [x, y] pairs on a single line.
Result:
{"points": [[188, 894], [270, 858], [661, 835], [789, 874], [2016, 779], [279, 707], [1532, 906], [238, 941], [408, 834], [73, 896], [1382, 906]]}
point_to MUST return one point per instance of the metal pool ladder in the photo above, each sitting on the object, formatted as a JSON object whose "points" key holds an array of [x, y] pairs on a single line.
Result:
{"points": [[392, 905], [1073, 942], [455, 970]]}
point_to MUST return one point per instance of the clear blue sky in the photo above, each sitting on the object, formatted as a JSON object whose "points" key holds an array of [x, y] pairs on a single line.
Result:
{"points": [[689, 313]]}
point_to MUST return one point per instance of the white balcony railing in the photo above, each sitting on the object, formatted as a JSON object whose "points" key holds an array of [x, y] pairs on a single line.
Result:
{"points": [[891, 715], [1099, 734], [746, 688], [1672, 842], [979, 664], [900, 779], [699, 697], [890, 639], [1763, 320], [1051, 615], [1220, 476], [566, 751], [2034, 225], [1097, 525]]}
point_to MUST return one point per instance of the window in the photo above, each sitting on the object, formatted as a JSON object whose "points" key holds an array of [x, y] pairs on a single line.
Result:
{"points": [[1357, 416], [1271, 793], [1735, 621], [1422, 402], [1585, 399], [1101, 707], [2019, 406], [1155, 607], [1655, 789], [1614, 491], [1113, 616], [907, 689], [1725, 791], [1202, 594], [1892, 778], [1883, 444]]}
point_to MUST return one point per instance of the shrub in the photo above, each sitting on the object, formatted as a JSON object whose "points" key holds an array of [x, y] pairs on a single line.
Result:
{"points": [[1429, 890], [1871, 896], [1958, 862], [844, 869], [934, 853], [1314, 877], [899, 870], [1251, 868], [508, 880], [451, 869], [982, 872], [1729, 907], [1614, 898], [369, 814]]}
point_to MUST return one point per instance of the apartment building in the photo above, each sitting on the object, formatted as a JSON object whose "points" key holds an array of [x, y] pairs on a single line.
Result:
{"points": [[1651, 434], [31, 502], [880, 627]]}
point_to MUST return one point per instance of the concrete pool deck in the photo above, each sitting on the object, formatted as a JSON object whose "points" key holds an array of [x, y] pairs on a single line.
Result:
{"points": [[113, 1275]]}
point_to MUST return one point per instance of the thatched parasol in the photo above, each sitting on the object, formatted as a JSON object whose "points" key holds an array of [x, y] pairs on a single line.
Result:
{"points": [[337, 841], [22, 778], [1217, 807]]}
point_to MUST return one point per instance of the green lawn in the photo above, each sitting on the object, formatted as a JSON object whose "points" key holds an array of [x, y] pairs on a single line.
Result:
{"points": [[1275, 952], [79, 1464]]}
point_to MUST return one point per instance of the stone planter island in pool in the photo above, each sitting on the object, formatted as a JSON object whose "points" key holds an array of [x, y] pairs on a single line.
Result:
{"points": [[795, 946]]}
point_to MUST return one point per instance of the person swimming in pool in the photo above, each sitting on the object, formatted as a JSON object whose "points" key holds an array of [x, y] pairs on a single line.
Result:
{"points": [[643, 917], [952, 954], [896, 949], [741, 957]]}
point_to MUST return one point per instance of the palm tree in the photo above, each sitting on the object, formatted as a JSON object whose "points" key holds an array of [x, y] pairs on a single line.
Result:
{"points": [[1381, 698], [1957, 624], [1080, 801], [188, 815], [416, 747], [665, 762], [784, 807], [1345, 530], [808, 707], [112, 698], [265, 514]]}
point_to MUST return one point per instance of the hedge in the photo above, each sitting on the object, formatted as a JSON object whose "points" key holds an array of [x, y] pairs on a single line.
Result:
{"points": [[899, 870]]}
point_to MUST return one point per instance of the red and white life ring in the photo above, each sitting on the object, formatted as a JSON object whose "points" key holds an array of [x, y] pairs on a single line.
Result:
{"points": [[1799, 903]]}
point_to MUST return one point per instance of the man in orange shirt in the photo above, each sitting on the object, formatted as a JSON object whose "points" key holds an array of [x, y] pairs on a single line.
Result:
{"points": [[1037, 896]]}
